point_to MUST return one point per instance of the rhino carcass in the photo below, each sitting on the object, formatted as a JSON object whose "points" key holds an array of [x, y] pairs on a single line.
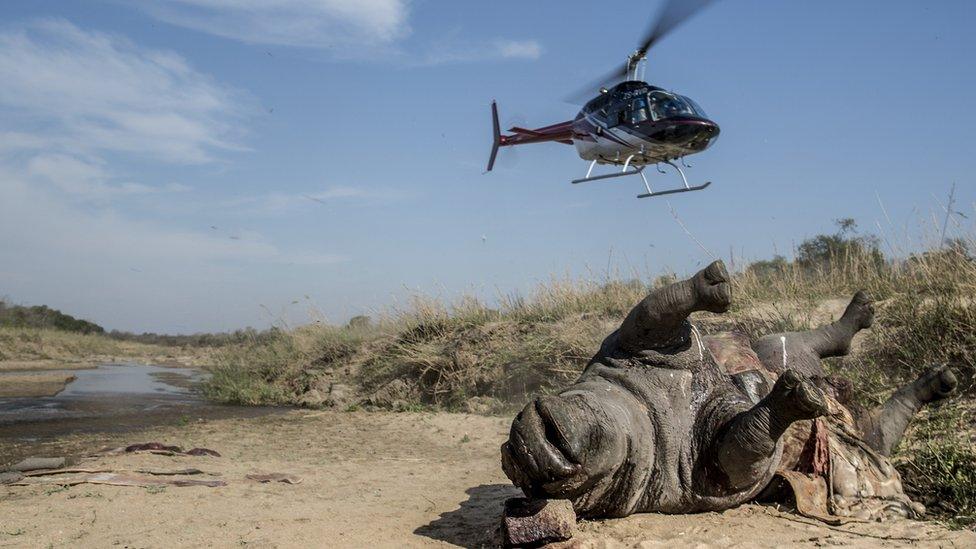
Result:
{"points": [[666, 420]]}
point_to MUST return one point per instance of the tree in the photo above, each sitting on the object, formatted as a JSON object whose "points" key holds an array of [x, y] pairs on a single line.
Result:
{"points": [[844, 245]]}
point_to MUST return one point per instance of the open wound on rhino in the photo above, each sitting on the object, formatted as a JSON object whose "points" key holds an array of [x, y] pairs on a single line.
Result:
{"points": [[666, 420]]}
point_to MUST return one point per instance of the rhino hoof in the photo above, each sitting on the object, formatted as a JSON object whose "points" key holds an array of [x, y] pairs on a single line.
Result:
{"points": [[798, 397], [714, 292], [936, 384], [860, 311]]}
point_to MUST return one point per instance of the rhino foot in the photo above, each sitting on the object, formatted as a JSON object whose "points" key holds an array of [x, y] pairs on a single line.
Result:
{"points": [[860, 312], [936, 384], [713, 292], [794, 397]]}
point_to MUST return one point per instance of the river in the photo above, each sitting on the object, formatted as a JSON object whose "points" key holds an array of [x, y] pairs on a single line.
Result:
{"points": [[112, 398]]}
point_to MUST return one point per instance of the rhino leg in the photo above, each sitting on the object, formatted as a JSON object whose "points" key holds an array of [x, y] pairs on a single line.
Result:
{"points": [[804, 350], [884, 426], [746, 445], [660, 319]]}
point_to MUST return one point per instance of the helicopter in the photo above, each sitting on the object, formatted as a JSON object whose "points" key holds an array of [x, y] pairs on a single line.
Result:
{"points": [[631, 123]]}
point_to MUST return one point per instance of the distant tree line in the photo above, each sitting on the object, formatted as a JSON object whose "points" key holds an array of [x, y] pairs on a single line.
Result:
{"points": [[46, 318], [824, 251], [247, 335], [42, 316]]}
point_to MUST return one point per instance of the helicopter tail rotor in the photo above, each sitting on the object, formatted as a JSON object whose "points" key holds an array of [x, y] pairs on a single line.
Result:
{"points": [[496, 128]]}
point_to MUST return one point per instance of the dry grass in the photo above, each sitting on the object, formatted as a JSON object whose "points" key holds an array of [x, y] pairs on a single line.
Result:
{"points": [[26, 345], [443, 355]]}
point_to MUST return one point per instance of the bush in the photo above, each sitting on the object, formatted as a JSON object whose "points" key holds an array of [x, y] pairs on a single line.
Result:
{"points": [[937, 462], [43, 317]]}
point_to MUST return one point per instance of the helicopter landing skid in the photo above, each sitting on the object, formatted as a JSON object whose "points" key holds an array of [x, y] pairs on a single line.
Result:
{"points": [[640, 171]]}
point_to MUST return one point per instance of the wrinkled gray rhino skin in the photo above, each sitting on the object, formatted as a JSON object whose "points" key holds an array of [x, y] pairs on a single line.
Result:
{"points": [[654, 424]]}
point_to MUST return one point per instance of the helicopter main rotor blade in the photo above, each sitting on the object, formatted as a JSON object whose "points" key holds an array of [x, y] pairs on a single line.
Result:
{"points": [[672, 14]]}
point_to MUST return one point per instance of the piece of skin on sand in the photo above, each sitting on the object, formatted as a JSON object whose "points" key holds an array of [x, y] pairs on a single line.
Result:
{"points": [[118, 479], [37, 463], [657, 424], [274, 477], [160, 448]]}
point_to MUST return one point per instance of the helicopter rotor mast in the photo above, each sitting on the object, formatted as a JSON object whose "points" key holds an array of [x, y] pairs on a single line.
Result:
{"points": [[671, 15]]}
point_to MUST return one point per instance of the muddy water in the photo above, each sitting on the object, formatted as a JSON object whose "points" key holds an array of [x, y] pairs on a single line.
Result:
{"points": [[111, 398]]}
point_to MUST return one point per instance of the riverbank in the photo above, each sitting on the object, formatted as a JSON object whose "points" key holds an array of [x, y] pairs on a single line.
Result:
{"points": [[364, 479], [33, 385], [32, 349]]}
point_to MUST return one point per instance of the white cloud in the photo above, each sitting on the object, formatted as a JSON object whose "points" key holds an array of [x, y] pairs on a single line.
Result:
{"points": [[519, 49], [305, 23], [452, 49], [87, 179], [78, 91], [347, 28]]}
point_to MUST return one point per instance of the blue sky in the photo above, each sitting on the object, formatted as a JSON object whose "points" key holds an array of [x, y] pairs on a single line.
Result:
{"points": [[188, 165]]}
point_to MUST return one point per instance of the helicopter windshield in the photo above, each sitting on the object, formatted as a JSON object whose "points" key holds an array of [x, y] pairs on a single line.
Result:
{"points": [[666, 105]]}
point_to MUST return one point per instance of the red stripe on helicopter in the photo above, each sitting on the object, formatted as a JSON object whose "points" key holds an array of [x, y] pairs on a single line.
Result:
{"points": [[560, 133]]}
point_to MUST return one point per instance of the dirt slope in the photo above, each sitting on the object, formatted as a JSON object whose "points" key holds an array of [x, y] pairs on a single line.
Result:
{"points": [[368, 480]]}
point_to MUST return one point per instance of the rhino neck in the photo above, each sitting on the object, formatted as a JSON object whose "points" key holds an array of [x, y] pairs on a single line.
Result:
{"points": [[687, 353]]}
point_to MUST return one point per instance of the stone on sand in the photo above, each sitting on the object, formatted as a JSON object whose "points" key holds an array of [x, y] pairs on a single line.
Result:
{"points": [[534, 522]]}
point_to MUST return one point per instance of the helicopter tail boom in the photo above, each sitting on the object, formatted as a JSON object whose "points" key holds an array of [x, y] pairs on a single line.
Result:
{"points": [[560, 133]]}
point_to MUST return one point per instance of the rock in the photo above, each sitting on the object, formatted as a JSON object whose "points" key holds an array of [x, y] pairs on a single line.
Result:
{"points": [[392, 395], [311, 399], [35, 463], [10, 477], [534, 522], [325, 394], [340, 395], [483, 406]]}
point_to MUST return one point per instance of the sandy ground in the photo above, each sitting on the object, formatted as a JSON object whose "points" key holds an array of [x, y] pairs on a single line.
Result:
{"points": [[33, 384], [368, 480], [42, 365]]}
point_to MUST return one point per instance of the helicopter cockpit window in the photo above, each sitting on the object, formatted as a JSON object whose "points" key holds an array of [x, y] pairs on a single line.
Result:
{"points": [[697, 108], [666, 105]]}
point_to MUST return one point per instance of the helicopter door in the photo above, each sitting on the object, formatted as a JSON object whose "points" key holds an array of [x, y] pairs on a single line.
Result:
{"points": [[637, 112], [618, 114]]}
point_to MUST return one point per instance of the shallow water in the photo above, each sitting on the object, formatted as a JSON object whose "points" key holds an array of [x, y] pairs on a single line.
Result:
{"points": [[112, 398], [130, 379]]}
